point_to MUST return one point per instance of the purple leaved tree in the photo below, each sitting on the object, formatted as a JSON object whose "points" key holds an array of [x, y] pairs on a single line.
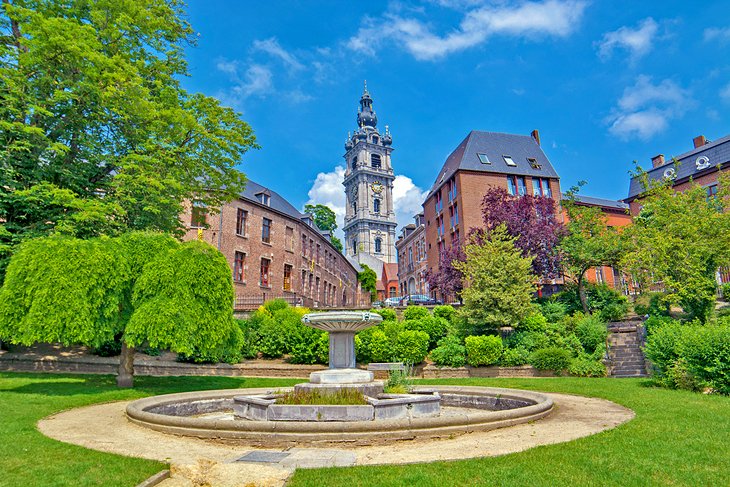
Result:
{"points": [[446, 279], [533, 220]]}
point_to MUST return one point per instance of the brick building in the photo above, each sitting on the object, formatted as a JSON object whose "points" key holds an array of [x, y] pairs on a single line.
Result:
{"points": [[276, 252], [483, 160], [701, 165], [412, 263]]}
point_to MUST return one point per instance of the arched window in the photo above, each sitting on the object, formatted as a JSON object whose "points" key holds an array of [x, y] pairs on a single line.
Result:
{"points": [[375, 160], [354, 162], [375, 139], [378, 245], [376, 205]]}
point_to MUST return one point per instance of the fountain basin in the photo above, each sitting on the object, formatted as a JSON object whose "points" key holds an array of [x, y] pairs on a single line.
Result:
{"points": [[385, 406]]}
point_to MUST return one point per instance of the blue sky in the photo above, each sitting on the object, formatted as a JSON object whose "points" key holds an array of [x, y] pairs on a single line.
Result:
{"points": [[605, 82]]}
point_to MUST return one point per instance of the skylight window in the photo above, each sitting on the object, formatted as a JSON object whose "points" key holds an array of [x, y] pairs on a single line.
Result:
{"points": [[533, 163], [508, 160], [483, 158]]}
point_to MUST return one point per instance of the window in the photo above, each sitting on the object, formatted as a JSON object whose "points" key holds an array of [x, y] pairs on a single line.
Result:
{"points": [[439, 202], [265, 264], [198, 214], [541, 187], [452, 189], [266, 230], [241, 217], [354, 247], [375, 161], [410, 256], [484, 159], [375, 140], [533, 163], [304, 245], [455, 218], [264, 199], [289, 240], [376, 206], [304, 281], [712, 191], [599, 275], [316, 295], [508, 160], [287, 277], [239, 260], [511, 185], [378, 245], [516, 185], [354, 162], [318, 252], [392, 292]]}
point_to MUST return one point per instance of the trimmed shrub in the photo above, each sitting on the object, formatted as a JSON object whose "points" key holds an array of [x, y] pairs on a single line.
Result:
{"points": [[305, 349], [483, 349], [591, 332], [514, 357], [446, 312], [552, 358], [410, 347], [415, 312], [436, 328], [706, 352], [662, 348], [387, 314], [528, 340], [249, 332], [449, 353], [534, 322], [372, 345], [586, 366], [553, 311]]}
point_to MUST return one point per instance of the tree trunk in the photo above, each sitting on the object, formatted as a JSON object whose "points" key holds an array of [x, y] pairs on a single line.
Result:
{"points": [[582, 293], [125, 377]]}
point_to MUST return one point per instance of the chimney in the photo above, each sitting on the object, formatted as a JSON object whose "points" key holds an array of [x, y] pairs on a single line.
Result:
{"points": [[536, 135], [699, 141], [657, 161]]}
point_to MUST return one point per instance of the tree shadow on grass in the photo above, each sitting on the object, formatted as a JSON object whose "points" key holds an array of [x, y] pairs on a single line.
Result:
{"points": [[73, 384]]}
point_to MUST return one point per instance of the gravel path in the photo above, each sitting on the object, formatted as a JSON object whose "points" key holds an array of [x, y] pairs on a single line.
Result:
{"points": [[105, 427]]}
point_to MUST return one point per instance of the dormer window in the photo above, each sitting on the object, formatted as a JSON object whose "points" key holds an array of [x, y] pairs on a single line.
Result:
{"points": [[533, 163], [264, 199], [375, 161], [508, 160], [483, 158]]}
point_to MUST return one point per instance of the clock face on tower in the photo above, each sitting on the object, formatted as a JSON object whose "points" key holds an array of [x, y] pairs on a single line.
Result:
{"points": [[376, 187]]}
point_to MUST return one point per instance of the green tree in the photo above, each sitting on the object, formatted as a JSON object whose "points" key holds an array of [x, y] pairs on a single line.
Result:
{"points": [[368, 279], [144, 287], [97, 136], [680, 239], [326, 220], [498, 282], [589, 242]]}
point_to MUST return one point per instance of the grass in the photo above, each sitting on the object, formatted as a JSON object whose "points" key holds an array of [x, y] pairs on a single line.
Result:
{"points": [[343, 397], [677, 438]]}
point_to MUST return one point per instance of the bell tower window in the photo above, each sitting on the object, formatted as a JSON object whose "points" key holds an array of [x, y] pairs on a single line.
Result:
{"points": [[375, 161], [354, 162], [375, 139], [378, 245], [376, 205]]}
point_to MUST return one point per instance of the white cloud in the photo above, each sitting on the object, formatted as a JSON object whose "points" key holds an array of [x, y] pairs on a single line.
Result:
{"points": [[257, 80], [645, 109], [638, 41], [328, 190], [557, 18], [271, 46], [717, 34], [725, 93]]}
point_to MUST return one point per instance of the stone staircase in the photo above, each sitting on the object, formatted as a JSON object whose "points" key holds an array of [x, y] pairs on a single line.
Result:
{"points": [[625, 358]]}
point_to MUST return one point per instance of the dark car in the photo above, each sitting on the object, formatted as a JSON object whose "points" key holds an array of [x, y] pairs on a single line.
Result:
{"points": [[422, 299]]}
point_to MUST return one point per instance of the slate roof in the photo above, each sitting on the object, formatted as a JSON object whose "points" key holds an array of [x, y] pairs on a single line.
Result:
{"points": [[277, 202], [590, 200], [495, 145], [717, 152]]}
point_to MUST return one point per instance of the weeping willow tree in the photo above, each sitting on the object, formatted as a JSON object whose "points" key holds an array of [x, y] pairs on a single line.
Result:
{"points": [[142, 287]]}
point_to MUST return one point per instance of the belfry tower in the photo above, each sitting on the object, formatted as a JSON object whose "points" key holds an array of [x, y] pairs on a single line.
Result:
{"points": [[369, 220]]}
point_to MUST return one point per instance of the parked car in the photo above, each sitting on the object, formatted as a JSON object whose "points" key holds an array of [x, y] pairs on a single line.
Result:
{"points": [[421, 299], [377, 304], [393, 301]]}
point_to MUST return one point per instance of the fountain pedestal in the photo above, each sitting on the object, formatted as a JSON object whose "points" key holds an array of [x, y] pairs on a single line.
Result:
{"points": [[342, 372]]}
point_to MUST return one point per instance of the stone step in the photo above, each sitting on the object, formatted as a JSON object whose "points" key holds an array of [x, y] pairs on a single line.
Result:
{"points": [[628, 376], [638, 370]]}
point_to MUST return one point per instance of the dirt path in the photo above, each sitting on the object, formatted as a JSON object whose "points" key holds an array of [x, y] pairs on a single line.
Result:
{"points": [[194, 460]]}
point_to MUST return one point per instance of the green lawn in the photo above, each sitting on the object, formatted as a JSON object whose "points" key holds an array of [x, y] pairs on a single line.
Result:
{"points": [[677, 438]]}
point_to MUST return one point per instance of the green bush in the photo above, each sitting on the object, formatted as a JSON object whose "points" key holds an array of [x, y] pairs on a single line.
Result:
{"points": [[483, 349], [386, 313], [553, 311], [658, 306], [652, 323], [250, 335], [662, 348], [446, 312], [570, 322], [415, 312], [614, 311], [274, 305], [534, 322], [449, 353], [514, 357], [528, 340], [598, 296], [436, 328], [725, 288], [112, 348], [410, 347], [551, 358], [591, 332], [706, 351], [586, 366], [306, 348]]}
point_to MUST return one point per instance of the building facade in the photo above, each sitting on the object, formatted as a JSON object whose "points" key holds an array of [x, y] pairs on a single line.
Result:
{"points": [[369, 218], [412, 262], [276, 252], [481, 161]]}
